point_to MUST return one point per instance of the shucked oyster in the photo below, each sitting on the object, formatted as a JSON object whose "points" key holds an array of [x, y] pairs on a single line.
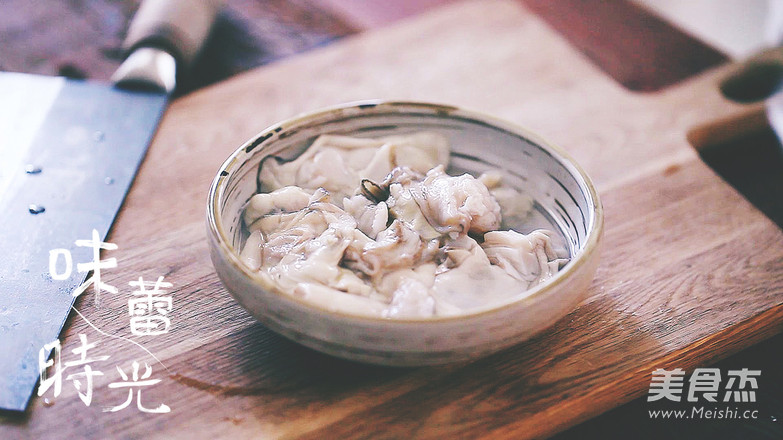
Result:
{"points": [[376, 227], [339, 163]]}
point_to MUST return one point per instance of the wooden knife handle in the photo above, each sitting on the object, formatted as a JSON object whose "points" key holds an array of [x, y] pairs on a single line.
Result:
{"points": [[747, 83], [179, 27], [756, 78]]}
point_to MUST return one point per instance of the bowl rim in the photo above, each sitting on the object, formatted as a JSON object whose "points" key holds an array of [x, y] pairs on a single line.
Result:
{"points": [[217, 232]]}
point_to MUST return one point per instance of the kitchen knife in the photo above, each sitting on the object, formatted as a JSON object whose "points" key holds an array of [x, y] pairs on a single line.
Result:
{"points": [[68, 153], [755, 82], [740, 147]]}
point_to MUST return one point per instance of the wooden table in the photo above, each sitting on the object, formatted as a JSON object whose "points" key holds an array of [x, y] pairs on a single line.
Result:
{"points": [[691, 274]]}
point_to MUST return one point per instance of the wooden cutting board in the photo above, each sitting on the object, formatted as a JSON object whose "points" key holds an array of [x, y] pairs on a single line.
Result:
{"points": [[691, 272]]}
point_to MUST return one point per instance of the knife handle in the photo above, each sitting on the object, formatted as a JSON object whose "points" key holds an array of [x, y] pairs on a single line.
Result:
{"points": [[179, 27], [756, 78]]}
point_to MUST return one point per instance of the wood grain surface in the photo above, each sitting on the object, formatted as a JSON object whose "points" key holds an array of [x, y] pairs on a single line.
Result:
{"points": [[691, 271]]}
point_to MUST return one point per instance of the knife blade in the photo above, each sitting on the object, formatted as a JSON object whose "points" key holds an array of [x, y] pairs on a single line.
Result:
{"points": [[66, 168], [774, 106]]}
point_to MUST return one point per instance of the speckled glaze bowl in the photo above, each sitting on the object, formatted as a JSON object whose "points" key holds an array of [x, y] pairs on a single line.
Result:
{"points": [[565, 202]]}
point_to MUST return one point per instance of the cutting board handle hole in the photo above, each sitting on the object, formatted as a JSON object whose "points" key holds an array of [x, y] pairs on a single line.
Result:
{"points": [[752, 163]]}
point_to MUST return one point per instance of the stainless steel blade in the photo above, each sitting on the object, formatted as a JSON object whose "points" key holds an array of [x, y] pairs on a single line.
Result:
{"points": [[88, 148], [775, 114]]}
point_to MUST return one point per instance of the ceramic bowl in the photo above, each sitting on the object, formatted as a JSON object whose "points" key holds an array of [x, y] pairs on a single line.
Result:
{"points": [[565, 202]]}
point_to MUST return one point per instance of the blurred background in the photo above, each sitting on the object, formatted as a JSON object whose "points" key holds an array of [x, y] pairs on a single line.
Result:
{"points": [[81, 38]]}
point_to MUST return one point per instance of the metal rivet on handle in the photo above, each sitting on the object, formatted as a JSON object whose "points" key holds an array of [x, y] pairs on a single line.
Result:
{"points": [[32, 169], [35, 209]]}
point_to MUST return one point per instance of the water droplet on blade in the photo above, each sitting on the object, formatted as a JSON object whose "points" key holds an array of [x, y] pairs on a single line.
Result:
{"points": [[48, 402], [36, 209], [32, 169], [108, 180], [98, 136]]}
